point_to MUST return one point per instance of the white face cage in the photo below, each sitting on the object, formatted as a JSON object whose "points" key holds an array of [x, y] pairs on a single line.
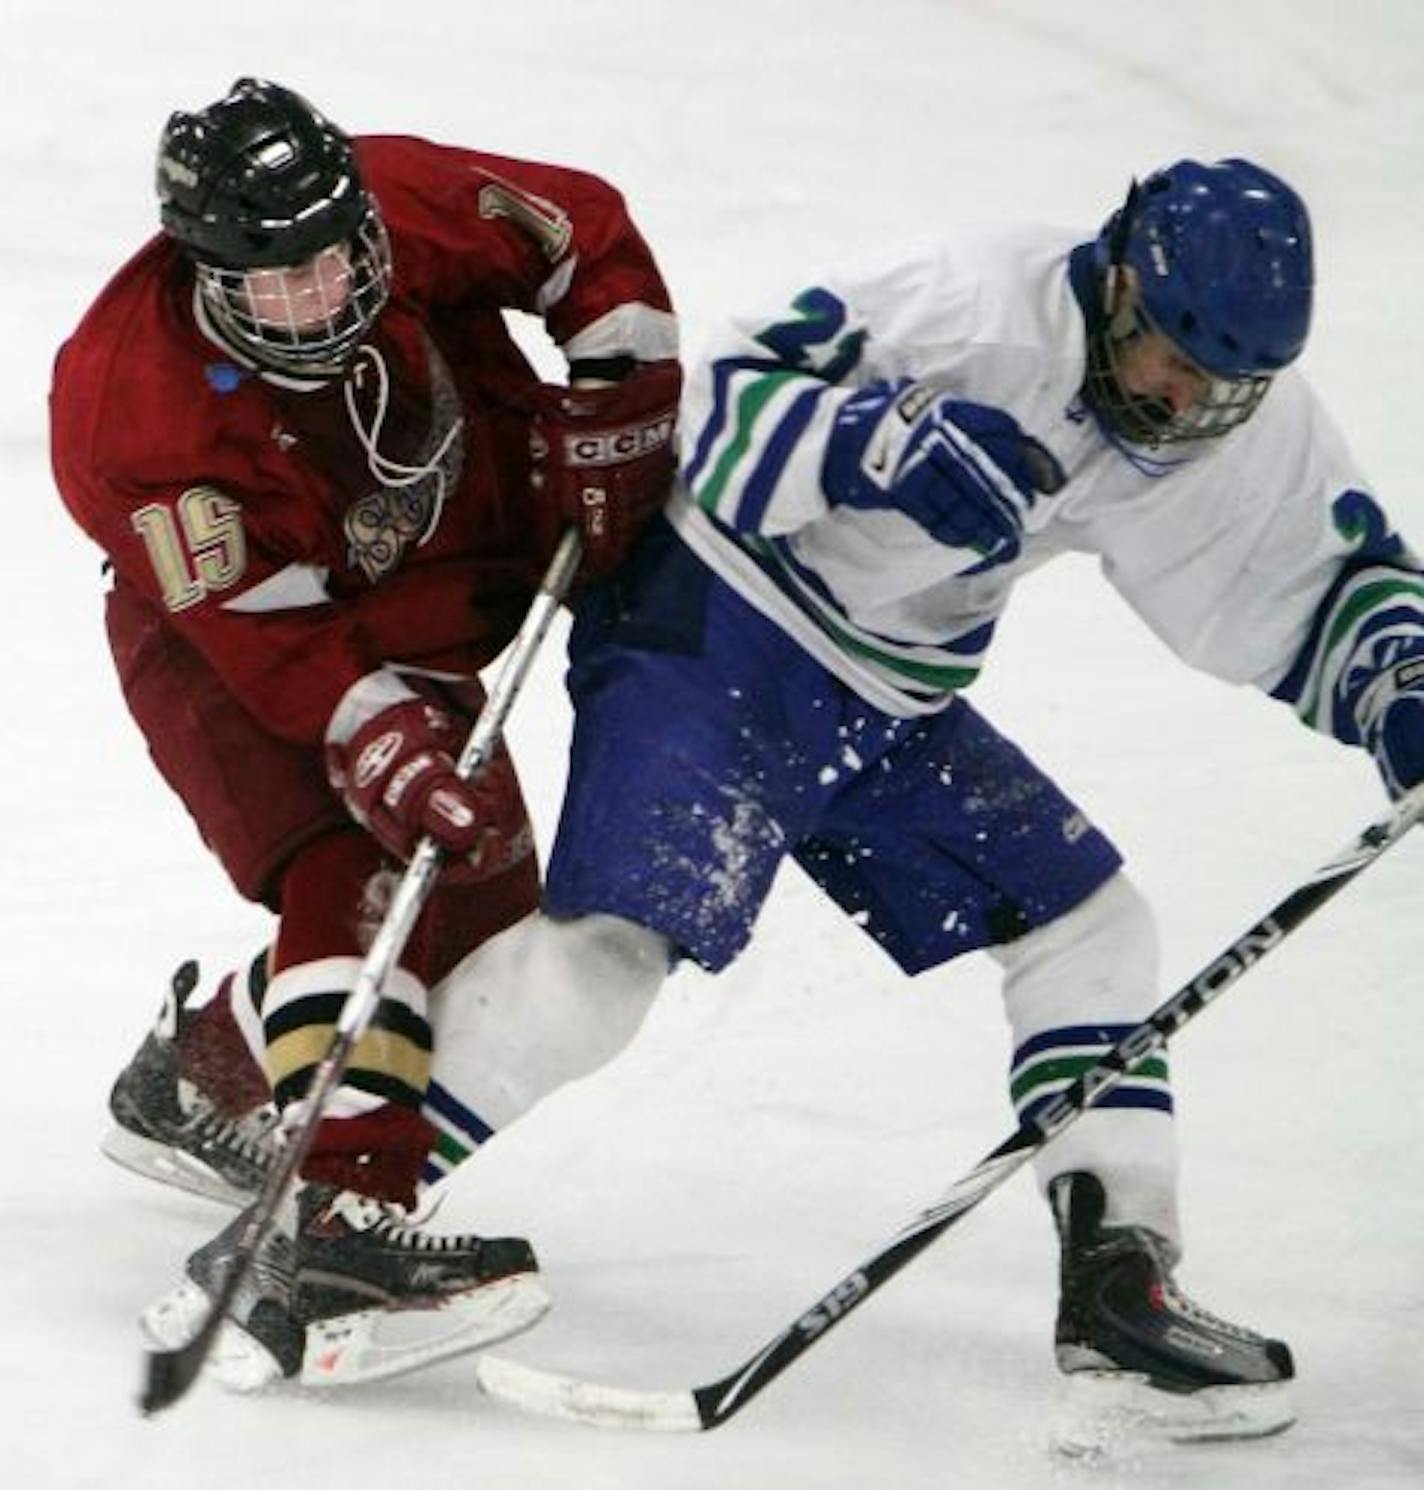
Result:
{"points": [[306, 318]]}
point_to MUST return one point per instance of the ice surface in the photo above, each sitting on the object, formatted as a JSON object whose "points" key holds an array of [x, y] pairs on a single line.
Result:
{"points": [[771, 1126]]}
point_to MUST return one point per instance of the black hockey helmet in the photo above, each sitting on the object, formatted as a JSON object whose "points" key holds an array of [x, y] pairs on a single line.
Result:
{"points": [[261, 180], [258, 178]]}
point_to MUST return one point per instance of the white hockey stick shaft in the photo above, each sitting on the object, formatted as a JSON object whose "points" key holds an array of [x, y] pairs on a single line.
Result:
{"points": [[170, 1373], [420, 874]]}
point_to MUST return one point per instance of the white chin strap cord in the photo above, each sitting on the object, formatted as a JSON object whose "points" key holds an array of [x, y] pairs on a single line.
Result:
{"points": [[389, 472]]}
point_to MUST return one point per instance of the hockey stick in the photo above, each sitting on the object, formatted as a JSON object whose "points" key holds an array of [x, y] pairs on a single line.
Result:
{"points": [[169, 1373], [554, 1395]]}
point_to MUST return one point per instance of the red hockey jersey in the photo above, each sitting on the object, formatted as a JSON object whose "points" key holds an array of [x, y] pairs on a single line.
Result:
{"points": [[302, 535]]}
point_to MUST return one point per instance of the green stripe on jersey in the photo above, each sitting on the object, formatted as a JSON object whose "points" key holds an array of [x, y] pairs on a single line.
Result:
{"points": [[750, 403], [940, 676]]}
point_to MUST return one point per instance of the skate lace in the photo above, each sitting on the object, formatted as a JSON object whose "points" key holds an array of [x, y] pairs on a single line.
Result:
{"points": [[390, 1221], [251, 1136], [254, 1135], [1183, 1304]]}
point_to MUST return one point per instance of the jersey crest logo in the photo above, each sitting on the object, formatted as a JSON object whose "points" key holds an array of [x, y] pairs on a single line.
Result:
{"points": [[383, 524]]}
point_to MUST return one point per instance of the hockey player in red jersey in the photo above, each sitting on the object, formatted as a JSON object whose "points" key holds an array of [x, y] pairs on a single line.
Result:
{"points": [[326, 483]]}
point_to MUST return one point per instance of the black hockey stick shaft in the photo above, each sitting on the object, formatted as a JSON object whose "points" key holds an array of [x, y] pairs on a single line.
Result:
{"points": [[170, 1373], [721, 1400]]}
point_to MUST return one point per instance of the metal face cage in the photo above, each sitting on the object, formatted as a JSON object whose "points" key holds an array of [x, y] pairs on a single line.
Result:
{"points": [[306, 318]]}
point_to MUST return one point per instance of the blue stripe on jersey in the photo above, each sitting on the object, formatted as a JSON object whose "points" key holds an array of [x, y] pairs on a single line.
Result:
{"points": [[1371, 618], [972, 644], [955, 662], [723, 372], [760, 486], [1391, 635]]}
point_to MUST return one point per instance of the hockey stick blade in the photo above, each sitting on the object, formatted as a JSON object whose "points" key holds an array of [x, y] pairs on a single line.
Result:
{"points": [[552, 1394], [168, 1374]]}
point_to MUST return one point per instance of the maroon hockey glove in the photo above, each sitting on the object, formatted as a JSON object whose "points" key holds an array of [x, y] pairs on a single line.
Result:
{"points": [[397, 776], [604, 460]]}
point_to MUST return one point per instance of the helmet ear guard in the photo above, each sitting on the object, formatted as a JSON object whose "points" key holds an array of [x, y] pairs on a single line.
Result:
{"points": [[1116, 280], [1120, 301]]}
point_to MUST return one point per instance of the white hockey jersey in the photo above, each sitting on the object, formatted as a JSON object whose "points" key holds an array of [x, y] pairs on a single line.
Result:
{"points": [[1259, 557]]}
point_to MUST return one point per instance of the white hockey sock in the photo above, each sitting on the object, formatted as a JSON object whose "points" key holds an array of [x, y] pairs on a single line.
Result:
{"points": [[541, 1004], [1072, 989]]}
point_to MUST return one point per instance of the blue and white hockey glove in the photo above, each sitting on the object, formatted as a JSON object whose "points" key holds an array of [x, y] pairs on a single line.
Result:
{"points": [[964, 472], [1399, 745]]}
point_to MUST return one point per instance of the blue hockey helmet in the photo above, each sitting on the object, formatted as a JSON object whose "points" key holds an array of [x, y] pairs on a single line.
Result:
{"points": [[1221, 264]]}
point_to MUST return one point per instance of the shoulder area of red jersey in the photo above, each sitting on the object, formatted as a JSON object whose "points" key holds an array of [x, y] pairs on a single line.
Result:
{"points": [[137, 377], [153, 272], [408, 168]]}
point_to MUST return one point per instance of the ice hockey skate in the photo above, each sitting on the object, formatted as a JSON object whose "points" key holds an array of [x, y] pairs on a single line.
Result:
{"points": [[168, 1129], [1142, 1359], [347, 1289]]}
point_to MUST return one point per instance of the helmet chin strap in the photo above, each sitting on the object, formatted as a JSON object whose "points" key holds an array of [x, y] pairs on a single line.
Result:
{"points": [[387, 471]]}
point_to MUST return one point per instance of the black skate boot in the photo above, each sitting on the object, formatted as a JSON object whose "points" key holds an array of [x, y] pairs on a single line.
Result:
{"points": [[1135, 1346], [347, 1289], [379, 1295], [168, 1129]]}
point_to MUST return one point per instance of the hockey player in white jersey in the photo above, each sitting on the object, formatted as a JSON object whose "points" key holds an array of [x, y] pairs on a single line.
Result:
{"points": [[868, 469]]}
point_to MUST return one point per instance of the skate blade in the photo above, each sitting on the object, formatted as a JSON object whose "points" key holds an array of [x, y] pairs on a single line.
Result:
{"points": [[1104, 1412], [377, 1343], [238, 1361], [169, 1166]]}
